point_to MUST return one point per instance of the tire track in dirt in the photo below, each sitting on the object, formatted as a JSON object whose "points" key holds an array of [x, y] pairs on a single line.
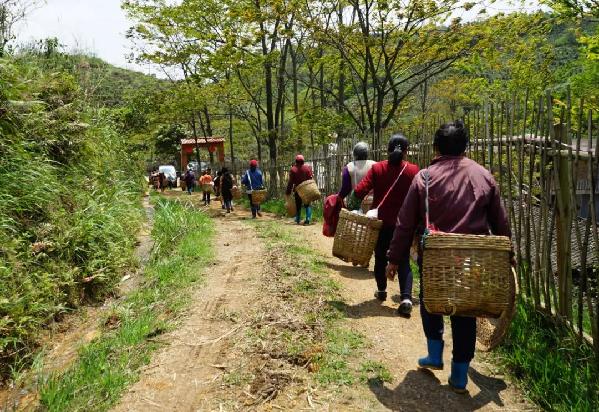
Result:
{"points": [[398, 343], [185, 374]]}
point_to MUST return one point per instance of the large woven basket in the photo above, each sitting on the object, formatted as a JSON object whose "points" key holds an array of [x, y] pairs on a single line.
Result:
{"points": [[207, 187], [290, 206], [466, 275], [491, 332], [356, 237], [259, 196], [236, 192], [308, 191]]}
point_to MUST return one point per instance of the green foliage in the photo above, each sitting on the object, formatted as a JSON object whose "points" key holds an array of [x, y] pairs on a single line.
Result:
{"points": [[69, 202], [555, 369], [108, 365]]}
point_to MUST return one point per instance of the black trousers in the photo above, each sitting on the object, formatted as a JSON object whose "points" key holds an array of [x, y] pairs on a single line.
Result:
{"points": [[380, 265], [463, 329]]}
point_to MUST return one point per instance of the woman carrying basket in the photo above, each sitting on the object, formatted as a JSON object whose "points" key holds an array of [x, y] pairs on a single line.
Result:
{"points": [[353, 173], [226, 183], [462, 198], [252, 179], [299, 173], [390, 181]]}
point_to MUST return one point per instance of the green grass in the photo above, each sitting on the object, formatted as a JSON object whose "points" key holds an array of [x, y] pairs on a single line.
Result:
{"points": [[331, 346], [277, 207], [108, 365], [556, 371], [375, 371]]}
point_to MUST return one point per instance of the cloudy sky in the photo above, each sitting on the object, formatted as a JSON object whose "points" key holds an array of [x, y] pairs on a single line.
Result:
{"points": [[95, 26]]}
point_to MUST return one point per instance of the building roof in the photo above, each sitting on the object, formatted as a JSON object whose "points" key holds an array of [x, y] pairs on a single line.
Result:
{"points": [[579, 225], [203, 140]]}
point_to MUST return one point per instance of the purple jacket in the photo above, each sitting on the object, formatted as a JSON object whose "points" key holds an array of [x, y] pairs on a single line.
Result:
{"points": [[463, 198]]}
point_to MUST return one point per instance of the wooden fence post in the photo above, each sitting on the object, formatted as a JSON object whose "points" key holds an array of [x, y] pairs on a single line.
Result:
{"points": [[562, 163]]}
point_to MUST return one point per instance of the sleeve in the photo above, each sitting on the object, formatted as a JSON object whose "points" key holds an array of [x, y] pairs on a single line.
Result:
{"points": [[365, 185], [497, 216], [290, 183], [260, 179], [345, 183], [407, 222]]}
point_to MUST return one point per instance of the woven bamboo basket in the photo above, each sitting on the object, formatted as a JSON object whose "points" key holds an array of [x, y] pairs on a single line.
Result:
{"points": [[236, 192], [491, 332], [290, 206], [259, 196], [207, 187], [466, 275], [355, 238], [308, 191]]}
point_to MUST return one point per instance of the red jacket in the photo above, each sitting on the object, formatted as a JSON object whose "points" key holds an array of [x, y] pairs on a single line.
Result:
{"points": [[332, 209], [380, 178], [463, 198], [298, 175]]}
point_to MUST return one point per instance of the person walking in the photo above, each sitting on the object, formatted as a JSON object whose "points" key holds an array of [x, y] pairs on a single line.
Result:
{"points": [[253, 180], [299, 173], [226, 186], [162, 181], [390, 180], [353, 173], [189, 179], [217, 187], [463, 197], [205, 181]]}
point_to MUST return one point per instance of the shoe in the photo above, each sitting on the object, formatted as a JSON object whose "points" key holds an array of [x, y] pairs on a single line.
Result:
{"points": [[259, 214], [405, 308], [434, 360], [307, 223], [231, 209], [381, 295], [459, 377]]}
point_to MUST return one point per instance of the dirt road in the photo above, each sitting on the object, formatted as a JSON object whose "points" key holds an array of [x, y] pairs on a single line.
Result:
{"points": [[187, 374]]}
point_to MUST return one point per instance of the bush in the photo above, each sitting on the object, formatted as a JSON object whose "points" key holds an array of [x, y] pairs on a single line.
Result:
{"points": [[69, 206]]}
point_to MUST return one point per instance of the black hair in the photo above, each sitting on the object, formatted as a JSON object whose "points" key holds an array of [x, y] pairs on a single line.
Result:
{"points": [[361, 151], [397, 147], [224, 170], [452, 139]]}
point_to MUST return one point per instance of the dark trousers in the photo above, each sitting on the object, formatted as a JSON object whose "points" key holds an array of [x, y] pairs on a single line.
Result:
{"points": [[463, 329], [380, 264], [255, 208], [206, 197]]}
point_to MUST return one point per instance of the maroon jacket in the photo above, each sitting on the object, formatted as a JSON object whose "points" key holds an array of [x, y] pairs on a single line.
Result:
{"points": [[298, 175], [463, 198], [380, 178]]}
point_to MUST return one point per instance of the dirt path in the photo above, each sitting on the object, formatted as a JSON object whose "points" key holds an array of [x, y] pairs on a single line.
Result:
{"points": [[184, 375], [191, 371], [398, 343]]}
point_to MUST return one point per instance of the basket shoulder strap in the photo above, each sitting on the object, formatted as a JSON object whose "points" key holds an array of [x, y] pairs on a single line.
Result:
{"points": [[393, 185], [427, 178], [249, 179]]}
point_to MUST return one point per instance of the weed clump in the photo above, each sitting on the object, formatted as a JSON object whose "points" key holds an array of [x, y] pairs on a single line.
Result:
{"points": [[556, 370]]}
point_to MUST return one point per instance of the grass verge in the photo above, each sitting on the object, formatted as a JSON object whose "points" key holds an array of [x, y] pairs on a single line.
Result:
{"points": [[554, 368], [109, 364], [277, 207], [296, 334]]}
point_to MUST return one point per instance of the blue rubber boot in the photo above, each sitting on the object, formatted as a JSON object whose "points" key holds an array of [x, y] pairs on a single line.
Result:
{"points": [[459, 376], [434, 360], [308, 215]]}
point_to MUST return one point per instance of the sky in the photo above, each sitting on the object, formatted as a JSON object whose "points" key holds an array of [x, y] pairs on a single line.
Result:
{"points": [[94, 26], [99, 26]]}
